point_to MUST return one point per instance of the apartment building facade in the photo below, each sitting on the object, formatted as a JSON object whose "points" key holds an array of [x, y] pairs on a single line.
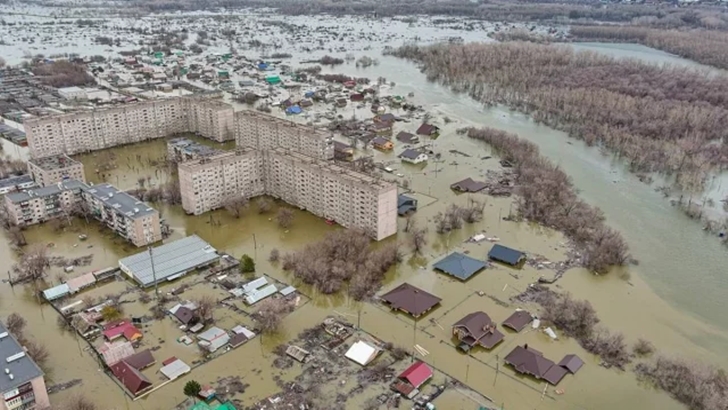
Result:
{"points": [[22, 384], [206, 183], [353, 200], [51, 170], [38, 205], [128, 217], [261, 131], [129, 123]]}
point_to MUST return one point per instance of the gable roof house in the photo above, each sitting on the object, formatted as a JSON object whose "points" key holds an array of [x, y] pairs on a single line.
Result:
{"points": [[405, 205], [529, 361], [132, 379], [476, 329], [518, 320], [382, 143], [407, 137], [506, 255], [119, 328], [213, 339], [428, 130], [413, 156]]}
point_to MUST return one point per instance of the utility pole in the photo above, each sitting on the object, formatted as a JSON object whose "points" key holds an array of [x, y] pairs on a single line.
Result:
{"points": [[154, 273], [255, 248]]}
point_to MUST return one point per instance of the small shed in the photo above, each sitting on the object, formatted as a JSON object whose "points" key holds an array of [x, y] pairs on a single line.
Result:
{"points": [[468, 185], [293, 110], [572, 363], [506, 255], [405, 205], [56, 292], [417, 374], [298, 353], [459, 265], [362, 353]]}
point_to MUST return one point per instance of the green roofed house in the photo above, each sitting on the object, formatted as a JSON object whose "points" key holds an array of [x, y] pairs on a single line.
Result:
{"points": [[273, 79], [223, 73]]}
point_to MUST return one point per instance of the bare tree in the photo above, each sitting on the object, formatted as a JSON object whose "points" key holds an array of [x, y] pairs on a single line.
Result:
{"points": [[274, 255], [418, 237], [264, 205], [270, 314], [205, 308], [409, 222], [78, 402], [15, 324], [235, 204], [33, 264], [37, 351], [285, 217]]}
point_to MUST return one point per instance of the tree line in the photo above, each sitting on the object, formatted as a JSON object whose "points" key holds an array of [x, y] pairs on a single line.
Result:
{"points": [[708, 47], [659, 118], [546, 195]]}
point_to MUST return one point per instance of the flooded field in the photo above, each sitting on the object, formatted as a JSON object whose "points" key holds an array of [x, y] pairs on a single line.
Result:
{"points": [[674, 297]]}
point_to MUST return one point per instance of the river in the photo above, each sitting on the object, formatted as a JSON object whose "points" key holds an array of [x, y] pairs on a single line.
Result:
{"points": [[673, 297]]}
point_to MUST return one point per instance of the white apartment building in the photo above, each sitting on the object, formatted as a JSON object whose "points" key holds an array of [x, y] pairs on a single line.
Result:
{"points": [[206, 183], [127, 124], [54, 169], [261, 131], [128, 217], [353, 200]]}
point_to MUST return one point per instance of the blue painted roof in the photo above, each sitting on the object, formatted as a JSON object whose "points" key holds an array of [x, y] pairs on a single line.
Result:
{"points": [[505, 254], [294, 109], [459, 265]]}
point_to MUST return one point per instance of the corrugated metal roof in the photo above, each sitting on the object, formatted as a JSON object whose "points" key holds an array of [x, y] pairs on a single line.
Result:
{"points": [[459, 265], [175, 369], [505, 254], [170, 259], [78, 283], [287, 290], [56, 292], [255, 284], [260, 294]]}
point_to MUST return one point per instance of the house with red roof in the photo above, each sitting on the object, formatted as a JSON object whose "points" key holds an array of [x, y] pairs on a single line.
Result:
{"points": [[121, 328], [409, 382]]}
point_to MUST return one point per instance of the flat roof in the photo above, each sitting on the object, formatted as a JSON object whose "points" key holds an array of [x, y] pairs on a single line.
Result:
{"points": [[54, 162], [22, 368], [170, 259], [120, 200], [45, 191], [13, 181]]}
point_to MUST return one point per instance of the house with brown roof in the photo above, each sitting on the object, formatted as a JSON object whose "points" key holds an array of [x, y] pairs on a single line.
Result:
{"points": [[530, 361], [382, 144], [132, 379], [476, 329], [468, 185], [407, 138], [428, 130], [382, 128], [410, 299], [518, 320]]}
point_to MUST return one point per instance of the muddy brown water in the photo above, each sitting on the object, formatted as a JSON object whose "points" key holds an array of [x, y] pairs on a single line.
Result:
{"points": [[672, 297]]}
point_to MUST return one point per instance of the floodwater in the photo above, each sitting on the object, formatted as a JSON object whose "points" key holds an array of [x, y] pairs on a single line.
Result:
{"points": [[672, 298]]}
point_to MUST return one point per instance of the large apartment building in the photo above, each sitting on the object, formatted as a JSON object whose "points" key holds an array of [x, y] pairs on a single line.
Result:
{"points": [[51, 170], [261, 131], [21, 384], [128, 217], [129, 123], [37, 205], [207, 182], [352, 199]]}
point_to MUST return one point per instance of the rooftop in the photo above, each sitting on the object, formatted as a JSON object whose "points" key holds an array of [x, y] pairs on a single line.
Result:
{"points": [[518, 320], [171, 260], [505, 254], [22, 368], [120, 200], [45, 191], [54, 162], [411, 299], [14, 181], [459, 265]]}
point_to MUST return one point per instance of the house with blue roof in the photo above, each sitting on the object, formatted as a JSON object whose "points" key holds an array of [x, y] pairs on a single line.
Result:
{"points": [[459, 265]]}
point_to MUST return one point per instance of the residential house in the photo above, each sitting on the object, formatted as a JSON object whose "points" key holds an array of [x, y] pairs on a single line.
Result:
{"points": [[518, 320], [410, 299], [409, 381], [407, 138], [413, 156], [343, 152], [213, 339], [530, 361], [121, 328], [382, 128], [468, 185], [476, 329], [405, 205], [459, 265], [428, 130], [133, 380], [506, 255], [356, 97], [382, 144]]}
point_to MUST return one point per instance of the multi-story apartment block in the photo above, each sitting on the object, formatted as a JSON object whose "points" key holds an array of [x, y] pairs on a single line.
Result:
{"points": [[130, 218], [21, 384], [16, 183], [206, 183], [54, 169], [351, 199], [129, 123], [260, 131], [38, 205]]}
